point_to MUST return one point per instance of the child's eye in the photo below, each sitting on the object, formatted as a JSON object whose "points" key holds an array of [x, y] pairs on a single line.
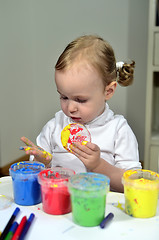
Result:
{"points": [[63, 98], [81, 100]]}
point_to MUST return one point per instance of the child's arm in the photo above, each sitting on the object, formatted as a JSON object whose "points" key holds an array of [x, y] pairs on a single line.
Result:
{"points": [[40, 154], [89, 154], [114, 173]]}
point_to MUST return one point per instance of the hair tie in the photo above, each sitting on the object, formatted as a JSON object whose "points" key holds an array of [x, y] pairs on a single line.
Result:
{"points": [[119, 65]]}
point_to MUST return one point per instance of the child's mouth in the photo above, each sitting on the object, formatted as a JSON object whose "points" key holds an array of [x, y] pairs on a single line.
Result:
{"points": [[76, 119]]}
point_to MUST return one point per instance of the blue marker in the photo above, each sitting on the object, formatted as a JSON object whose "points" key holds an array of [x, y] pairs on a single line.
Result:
{"points": [[9, 224], [11, 231], [107, 219], [26, 227]]}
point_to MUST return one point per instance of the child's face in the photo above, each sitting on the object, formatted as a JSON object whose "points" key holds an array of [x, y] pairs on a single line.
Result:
{"points": [[82, 92]]}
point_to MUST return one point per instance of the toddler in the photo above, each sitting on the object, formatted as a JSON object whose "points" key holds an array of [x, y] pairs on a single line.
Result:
{"points": [[86, 76]]}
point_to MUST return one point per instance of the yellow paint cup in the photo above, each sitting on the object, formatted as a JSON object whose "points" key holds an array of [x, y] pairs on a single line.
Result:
{"points": [[141, 188]]}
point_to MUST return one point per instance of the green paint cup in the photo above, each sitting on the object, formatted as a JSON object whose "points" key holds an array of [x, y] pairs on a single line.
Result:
{"points": [[88, 197]]}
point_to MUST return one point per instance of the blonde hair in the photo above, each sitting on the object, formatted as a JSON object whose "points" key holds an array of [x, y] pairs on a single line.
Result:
{"points": [[100, 55]]}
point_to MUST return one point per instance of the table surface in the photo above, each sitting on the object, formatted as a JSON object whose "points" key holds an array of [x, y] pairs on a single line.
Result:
{"points": [[61, 227]]}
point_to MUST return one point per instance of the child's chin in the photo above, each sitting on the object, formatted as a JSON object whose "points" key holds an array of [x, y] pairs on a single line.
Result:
{"points": [[77, 120]]}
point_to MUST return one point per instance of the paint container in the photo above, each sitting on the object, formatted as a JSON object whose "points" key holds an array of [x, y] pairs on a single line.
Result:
{"points": [[88, 197], [141, 189], [54, 190], [26, 189]]}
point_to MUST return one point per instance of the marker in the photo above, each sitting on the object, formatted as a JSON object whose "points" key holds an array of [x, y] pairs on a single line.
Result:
{"points": [[9, 224], [11, 231], [19, 229], [26, 227], [106, 220]]}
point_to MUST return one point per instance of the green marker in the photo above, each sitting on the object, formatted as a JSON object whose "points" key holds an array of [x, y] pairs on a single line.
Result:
{"points": [[11, 231]]}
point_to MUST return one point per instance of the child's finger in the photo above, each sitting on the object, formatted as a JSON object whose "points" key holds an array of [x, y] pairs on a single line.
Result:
{"points": [[47, 155], [83, 148], [38, 152], [92, 146], [27, 149], [42, 155], [27, 142], [41, 149]]}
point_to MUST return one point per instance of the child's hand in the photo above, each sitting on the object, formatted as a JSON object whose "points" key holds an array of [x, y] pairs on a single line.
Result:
{"points": [[89, 154], [40, 154]]}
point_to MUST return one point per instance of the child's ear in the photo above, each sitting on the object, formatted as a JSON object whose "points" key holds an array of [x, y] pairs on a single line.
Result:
{"points": [[110, 89]]}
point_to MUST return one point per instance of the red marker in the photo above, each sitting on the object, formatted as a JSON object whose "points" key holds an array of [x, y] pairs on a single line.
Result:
{"points": [[19, 229]]}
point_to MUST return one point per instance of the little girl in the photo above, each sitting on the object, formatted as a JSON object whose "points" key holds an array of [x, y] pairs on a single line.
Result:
{"points": [[86, 76]]}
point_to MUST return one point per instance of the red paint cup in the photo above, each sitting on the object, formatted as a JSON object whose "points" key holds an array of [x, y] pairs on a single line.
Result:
{"points": [[54, 190]]}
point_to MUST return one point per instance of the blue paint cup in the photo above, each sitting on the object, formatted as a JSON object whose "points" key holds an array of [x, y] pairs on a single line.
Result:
{"points": [[26, 189]]}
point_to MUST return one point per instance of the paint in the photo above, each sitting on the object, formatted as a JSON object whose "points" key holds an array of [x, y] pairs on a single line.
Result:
{"points": [[26, 188], [74, 132], [88, 197], [54, 190], [141, 188], [45, 154]]}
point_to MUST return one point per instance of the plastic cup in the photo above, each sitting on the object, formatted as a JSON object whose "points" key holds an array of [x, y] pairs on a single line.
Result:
{"points": [[88, 197], [26, 189], [141, 189], [54, 190]]}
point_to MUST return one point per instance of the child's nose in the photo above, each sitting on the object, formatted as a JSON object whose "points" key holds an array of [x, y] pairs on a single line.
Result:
{"points": [[72, 106]]}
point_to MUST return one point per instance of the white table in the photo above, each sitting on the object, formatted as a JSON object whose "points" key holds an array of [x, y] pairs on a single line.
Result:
{"points": [[47, 226]]}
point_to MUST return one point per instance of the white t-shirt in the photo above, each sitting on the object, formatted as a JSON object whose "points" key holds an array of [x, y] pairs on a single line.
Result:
{"points": [[110, 132]]}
